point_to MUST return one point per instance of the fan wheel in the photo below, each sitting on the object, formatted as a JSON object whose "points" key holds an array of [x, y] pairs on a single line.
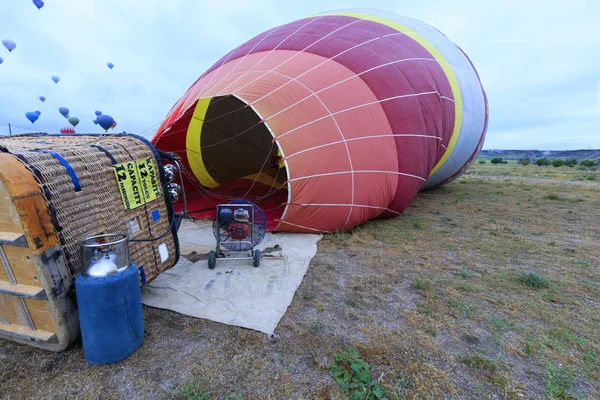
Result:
{"points": [[212, 259], [256, 258]]}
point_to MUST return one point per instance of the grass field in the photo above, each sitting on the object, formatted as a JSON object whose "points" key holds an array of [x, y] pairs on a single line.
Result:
{"points": [[483, 289]]}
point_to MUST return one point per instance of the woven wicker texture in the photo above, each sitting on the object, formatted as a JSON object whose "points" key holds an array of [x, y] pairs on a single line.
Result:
{"points": [[97, 208]]}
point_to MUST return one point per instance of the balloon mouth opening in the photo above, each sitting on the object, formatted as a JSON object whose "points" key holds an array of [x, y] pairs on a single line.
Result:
{"points": [[232, 155]]}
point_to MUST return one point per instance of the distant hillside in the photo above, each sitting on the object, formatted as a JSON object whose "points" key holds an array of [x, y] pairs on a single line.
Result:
{"points": [[590, 154]]}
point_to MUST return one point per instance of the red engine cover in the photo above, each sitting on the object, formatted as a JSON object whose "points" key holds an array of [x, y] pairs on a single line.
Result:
{"points": [[238, 231]]}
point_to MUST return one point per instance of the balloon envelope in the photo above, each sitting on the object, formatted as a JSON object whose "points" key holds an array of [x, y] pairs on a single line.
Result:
{"points": [[42, 99], [67, 129], [38, 3], [55, 79], [9, 44], [1, 60], [113, 125], [110, 65], [38, 112], [98, 113], [64, 111], [73, 121], [407, 112], [95, 122], [105, 121], [31, 116]]}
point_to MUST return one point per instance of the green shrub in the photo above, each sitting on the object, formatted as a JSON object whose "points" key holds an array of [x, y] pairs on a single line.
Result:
{"points": [[353, 375], [587, 163], [571, 162], [481, 161], [534, 280], [542, 161], [558, 163], [524, 161], [498, 160]]}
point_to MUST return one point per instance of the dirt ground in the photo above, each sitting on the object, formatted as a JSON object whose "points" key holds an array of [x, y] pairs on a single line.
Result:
{"points": [[483, 289]]}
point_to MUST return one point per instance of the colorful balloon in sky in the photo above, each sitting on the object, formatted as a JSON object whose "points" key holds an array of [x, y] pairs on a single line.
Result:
{"points": [[42, 99], [366, 108], [73, 121], [105, 121], [31, 116], [98, 112], [64, 111], [38, 112], [9, 44], [38, 3], [110, 65], [55, 78]]}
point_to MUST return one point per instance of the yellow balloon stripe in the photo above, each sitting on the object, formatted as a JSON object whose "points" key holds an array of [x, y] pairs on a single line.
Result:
{"points": [[192, 144]]}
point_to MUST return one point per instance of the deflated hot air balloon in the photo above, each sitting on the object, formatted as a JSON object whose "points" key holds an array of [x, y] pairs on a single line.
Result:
{"points": [[73, 121], [55, 78], [330, 121], [110, 65], [64, 111], [42, 99], [31, 116], [105, 121], [98, 112], [38, 3], [9, 44]]}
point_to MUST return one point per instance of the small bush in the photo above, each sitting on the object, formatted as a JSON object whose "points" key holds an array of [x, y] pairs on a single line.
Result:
{"points": [[552, 196], [558, 163], [498, 160], [476, 361], [481, 161], [587, 163], [542, 161], [524, 161], [590, 178], [534, 280], [316, 327], [353, 375], [571, 162]]}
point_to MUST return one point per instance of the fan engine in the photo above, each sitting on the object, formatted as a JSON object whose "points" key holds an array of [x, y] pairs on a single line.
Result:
{"points": [[239, 226]]}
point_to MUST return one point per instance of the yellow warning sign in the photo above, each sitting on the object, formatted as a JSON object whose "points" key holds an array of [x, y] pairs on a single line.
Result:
{"points": [[148, 179], [128, 179]]}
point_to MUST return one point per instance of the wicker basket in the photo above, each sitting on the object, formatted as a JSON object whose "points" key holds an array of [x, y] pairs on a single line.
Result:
{"points": [[54, 192]]}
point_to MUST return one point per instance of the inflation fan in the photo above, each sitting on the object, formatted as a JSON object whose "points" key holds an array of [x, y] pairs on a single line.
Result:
{"points": [[239, 227]]}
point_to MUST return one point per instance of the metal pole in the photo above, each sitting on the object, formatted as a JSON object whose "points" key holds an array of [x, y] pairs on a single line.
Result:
{"points": [[9, 130]]}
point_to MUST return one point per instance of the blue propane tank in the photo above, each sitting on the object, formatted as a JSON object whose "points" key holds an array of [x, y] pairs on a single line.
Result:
{"points": [[110, 315]]}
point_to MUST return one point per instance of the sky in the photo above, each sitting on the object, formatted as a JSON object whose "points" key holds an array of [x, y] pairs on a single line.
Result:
{"points": [[539, 61]]}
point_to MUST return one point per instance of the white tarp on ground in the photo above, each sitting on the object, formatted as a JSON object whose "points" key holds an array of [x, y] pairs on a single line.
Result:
{"points": [[234, 293]]}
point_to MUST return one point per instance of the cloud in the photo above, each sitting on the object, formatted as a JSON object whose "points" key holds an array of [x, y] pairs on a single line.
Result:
{"points": [[537, 61]]}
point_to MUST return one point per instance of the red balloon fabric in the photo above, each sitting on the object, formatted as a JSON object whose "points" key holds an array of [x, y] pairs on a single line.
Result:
{"points": [[329, 121], [67, 129]]}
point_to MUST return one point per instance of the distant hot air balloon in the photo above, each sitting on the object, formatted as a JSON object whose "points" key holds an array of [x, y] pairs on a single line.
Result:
{"points": [[110, 65], [55, 79], [98, 113], [42, 99], [64, 111], [1, 60], [67, 129], [73, 121], [9, 44], [38, 3], [31, 116], [105, 121], [38, 112]]}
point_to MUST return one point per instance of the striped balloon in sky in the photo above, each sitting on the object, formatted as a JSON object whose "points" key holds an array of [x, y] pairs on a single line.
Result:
{"points": [[331, 120]]}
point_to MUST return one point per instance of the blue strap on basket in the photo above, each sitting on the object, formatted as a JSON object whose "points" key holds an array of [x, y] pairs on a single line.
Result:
{"points": [[67, 166]]}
